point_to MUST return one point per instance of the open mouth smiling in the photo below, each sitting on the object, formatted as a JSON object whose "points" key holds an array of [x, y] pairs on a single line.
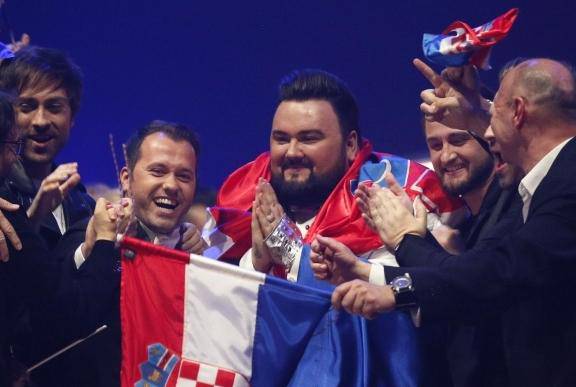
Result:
{"points": [[166, 203]]}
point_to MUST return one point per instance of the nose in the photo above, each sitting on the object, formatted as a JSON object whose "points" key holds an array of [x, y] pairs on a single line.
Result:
{"points": [[489, 136], [40, 121], [170, 184], [447, 154], [294, 150]]}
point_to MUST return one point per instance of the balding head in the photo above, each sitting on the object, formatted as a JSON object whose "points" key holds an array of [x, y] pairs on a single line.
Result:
{"points": [[547, 84]]}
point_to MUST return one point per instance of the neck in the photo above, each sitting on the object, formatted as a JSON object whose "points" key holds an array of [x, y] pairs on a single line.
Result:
{"points": [[475, 197], [540, 144], [37, 171], [302, 214]]}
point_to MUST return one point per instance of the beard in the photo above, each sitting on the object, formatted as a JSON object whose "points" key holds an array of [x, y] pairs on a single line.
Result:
{"points": [[309, 193], [477, 177]]}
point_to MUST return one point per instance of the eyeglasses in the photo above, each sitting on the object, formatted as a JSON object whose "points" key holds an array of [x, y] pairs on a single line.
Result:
{"points": [[15, 146]]}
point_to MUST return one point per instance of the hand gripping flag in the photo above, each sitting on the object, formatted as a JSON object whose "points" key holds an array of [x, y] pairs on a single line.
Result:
{"points": [[460, 44], [192, 321]]}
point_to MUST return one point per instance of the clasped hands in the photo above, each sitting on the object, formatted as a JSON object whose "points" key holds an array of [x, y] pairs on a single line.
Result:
{"points": [[266, 214], [391, 214], [111, 219]]}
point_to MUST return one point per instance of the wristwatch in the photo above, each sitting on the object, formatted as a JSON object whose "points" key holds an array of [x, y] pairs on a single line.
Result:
{"points": [[403, 291]]}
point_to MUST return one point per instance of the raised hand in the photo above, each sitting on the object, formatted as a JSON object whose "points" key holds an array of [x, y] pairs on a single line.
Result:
{"points": [[108, 220], [388, 216], [360, 297], [192, 241], [19, 44], [266, 214], [455, 98], [333, 261], [7, 231], [53, 190]]}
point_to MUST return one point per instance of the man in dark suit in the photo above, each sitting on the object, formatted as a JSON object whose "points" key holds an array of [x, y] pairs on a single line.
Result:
{"points": [[48, 86], [529, 276], [462, 159], [160, 179]]}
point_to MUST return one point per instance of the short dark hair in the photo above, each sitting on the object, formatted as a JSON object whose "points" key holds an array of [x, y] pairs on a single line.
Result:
{"points": [[39, 66], [307, 84], [176, 132]]}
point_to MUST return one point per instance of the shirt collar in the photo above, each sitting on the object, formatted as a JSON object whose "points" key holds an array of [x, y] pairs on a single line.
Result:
{"points": [[167, 240], [534, 177]]}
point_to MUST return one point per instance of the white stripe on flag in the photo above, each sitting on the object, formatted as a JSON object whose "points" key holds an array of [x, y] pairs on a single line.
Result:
{"points": [[218, 242], [220, 314]]}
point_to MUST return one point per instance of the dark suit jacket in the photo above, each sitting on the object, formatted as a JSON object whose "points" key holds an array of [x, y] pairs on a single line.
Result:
{"points": [[473, 348], [34, 307], [77, 205], [529, 276]]}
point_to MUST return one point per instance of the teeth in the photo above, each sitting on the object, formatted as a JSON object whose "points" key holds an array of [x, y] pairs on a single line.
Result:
{"points": [[165, 202], [452, 169]]}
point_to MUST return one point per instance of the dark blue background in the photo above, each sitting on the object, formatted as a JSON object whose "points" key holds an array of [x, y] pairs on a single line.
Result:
{"points": [[215, 65]]}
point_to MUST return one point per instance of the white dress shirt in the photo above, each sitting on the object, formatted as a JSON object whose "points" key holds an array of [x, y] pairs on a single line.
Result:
{"points": [[534, 177]]}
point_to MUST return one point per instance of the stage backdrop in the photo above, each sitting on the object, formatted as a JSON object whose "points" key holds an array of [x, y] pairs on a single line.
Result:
{"points": [[215, 65]]}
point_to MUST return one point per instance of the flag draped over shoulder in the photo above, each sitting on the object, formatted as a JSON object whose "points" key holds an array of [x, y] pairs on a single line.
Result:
{"points": [[460, 44], [192, 321], [339, 217]]}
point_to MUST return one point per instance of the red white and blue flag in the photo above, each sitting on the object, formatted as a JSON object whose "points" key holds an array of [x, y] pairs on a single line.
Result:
{"points": [[460, 44], [188, 320]]}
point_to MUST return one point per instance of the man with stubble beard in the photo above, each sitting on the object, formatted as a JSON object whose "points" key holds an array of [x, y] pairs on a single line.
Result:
{"points": [[48, 86], [462, 159]]}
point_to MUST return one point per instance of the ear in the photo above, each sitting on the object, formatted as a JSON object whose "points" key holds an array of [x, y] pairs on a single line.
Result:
{"points": [[352, 146], [125, 180], [519, 117]]}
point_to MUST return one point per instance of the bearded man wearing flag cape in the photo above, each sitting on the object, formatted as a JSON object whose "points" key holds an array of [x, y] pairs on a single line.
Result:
{"points": [[304, 188]]}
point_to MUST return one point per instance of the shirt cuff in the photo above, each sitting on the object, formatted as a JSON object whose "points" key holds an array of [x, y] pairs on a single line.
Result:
{"points": [[79, 256], [246, 261], [377, 276]]}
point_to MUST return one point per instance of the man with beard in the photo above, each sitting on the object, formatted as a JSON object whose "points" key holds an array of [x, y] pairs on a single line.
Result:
{"points": [[466, 167], [160, 180], [317, 157], [528, 276]]}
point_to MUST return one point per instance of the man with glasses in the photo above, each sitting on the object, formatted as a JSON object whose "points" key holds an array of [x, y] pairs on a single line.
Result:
{"points": [[48, 87]]}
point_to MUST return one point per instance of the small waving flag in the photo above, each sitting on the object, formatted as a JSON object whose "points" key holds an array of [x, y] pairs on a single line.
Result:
{"points": [[460, 44]]}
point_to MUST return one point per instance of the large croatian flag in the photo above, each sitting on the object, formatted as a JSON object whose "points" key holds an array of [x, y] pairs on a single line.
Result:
{"points": [[460, 44], [192, 321]]}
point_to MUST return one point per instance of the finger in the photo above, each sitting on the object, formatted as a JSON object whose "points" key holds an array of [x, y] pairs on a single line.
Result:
{"points": [[339, 293], [72, 182], [430, 111], [8, 231], [420, 212], [25, 39], [358, 304], [255, 224], [349, 299], [4, 253], [315, 246], [331, 244], [5, 205], [393, 185], [428, 96], [428, 72], [320, 270]]}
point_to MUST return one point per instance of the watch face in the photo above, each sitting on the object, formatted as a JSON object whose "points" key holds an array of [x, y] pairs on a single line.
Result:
{"points": [[402, 282]]}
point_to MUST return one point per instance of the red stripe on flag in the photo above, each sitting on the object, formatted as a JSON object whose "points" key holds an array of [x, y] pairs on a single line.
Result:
{"points": [[149, 320]]}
